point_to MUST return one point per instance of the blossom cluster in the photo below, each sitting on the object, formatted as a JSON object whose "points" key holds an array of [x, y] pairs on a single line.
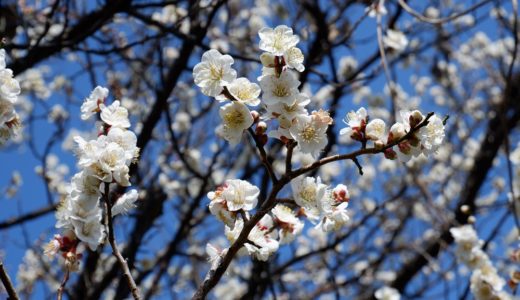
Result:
{"points": [[485, 281], [232, 202], [424, 140], [278, 95], [104, 161], [278, 84], [9, 91]]}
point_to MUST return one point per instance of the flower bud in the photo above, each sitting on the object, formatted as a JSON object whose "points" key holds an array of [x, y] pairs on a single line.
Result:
{"points": [[390, 154], [415, 118], [261, 128], [397, 131], [255, 115]]}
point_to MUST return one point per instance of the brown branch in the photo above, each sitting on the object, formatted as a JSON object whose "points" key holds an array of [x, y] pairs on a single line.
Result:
{"points": [[353, 155], [7, 283], [27, 217], [214, 275], [63, 283], [113, 244], [263, 156]]}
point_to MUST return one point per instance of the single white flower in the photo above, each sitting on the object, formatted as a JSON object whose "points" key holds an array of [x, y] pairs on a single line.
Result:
{"points": [[432, 135], [395, 39], [235, 119], [111, 158], [90, 231], [307, 193], [335, 216], [88, 151], [115, 115], [376, 130], [240, 194], [310, 133], [127, 140], [289, 224], [91, 104], [354, 121], [214, 72], [277, 41], [125, 203], [245, 91], [264, 243], [294, 59], [279, 89], [287, 112]]}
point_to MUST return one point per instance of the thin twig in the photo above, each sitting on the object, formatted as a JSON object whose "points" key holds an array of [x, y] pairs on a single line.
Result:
{"points": [[288, 159], [63, 283], [263, 156], [7, 283], [113, 244]]}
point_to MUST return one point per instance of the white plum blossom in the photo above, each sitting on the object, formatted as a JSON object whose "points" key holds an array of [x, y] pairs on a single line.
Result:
{"points": [[264, 242], [214, 72], [294, 59], [240, 194], [245, 91], [308, 193], [278, 40], [395, 40], [91, 104], [376, 130], [261, 240], [334, 217], [279, 89], [115, 115], [289, 224], [89, 230], [354, 120], [310, 133], [127, 140], [125, 203], [289, 111], [232, 196], [432, 135], [235, 118]]}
